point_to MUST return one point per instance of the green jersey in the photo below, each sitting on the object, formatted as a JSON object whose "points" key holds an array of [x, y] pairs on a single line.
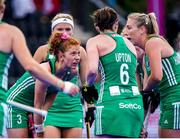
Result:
{"points": [[169, 87], [5, 61], [119, 107], [118, 78], [23, 90], [65, 108]]}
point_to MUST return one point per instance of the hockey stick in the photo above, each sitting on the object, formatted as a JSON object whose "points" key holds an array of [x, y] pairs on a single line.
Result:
{"points": [[28, 108], [144, 133], [145, 124], [88, 129]]}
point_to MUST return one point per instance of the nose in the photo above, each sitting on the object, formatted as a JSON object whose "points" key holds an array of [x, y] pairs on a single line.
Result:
{"points": [[63, 31], [66, 31], [77, 57]]}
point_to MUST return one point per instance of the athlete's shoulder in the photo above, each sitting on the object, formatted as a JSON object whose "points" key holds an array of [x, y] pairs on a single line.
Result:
{"points": [[10, 32], [43, 47], [91, 41], [41, 53], [11, 27], [7, 28], [93, 38]]}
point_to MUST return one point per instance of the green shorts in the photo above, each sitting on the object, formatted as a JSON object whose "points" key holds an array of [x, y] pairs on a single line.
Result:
{"points": [[170, 118], [66, 111], [3, 118], [120, 118], [72, 119], [17, 118]]}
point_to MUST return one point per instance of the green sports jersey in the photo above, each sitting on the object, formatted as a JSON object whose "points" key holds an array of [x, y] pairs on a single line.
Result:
{"points": [[169, 87], [5, 61], [117, 68], [23, 90], [66, 111], [65, 108], [65, 101], [119, 107]]}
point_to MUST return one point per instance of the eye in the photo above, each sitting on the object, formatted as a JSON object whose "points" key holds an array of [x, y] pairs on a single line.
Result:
{"points": [[60, 29], [63, 29], [68, 29], [73, 53]]}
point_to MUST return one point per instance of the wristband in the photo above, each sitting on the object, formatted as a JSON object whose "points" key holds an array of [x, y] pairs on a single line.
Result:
{"points": [[39, 128], [67, 87]]}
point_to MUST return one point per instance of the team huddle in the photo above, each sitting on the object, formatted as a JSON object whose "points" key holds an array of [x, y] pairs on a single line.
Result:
{"points": [[119, 79]]}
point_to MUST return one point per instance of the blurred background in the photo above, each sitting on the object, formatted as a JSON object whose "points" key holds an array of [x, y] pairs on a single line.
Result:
{"points": [[33, 17]]}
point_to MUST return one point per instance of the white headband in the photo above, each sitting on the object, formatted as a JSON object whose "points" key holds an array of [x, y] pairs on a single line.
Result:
{"points": [[62, 20]]}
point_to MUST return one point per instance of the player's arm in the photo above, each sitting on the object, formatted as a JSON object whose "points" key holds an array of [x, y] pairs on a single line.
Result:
{"points": [[83, 66], [93, 59], [39, 100], [153, 50]]}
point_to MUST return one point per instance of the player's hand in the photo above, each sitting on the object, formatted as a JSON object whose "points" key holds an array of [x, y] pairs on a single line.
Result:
{"points": [[155, 100], [150, 97], [146, 99], [143, 134], [70, 88], [89, 94]]}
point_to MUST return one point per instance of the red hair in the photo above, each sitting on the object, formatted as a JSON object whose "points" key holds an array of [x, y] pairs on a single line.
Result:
{"points": [[59, 42]]}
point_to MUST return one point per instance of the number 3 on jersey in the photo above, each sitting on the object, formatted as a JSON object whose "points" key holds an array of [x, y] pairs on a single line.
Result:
{"points": [[19, 121]]}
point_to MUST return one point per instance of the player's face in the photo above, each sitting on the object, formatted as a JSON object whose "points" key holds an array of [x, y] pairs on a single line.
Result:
{"points": [[72, 57], [132, 32], [64, 28]]}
